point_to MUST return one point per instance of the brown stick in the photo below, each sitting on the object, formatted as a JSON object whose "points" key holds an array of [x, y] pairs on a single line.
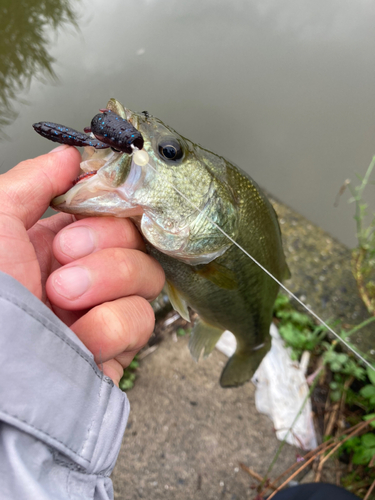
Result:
{"points": [[370, 490], [328, 430], [347, 384], [356, 428], [332, 419], [311, 453], [292, 476], [256, 476], [351, 434]]}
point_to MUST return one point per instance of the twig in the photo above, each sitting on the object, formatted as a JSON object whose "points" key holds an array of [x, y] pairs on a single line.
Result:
{"points": [[313, 453], [347, 384], [292, 476], [332, 419], [354, 430], [331, 422], [362, 426], [370, 490], [148, 351], [256, 476]]}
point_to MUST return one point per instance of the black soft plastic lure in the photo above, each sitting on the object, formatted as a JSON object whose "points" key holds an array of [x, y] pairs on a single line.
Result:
{"points": [[108, 128]]}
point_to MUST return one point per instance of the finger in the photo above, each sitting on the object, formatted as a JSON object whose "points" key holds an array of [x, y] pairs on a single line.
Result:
{"points": [[55, 223], [113, 369], [91, 235], [105, 275], [117, 329], [27, 189], [41, 236]]}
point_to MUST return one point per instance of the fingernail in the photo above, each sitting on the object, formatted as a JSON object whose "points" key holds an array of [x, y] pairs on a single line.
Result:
{"points": [[72, 282], [59, 148], [77, 242]]}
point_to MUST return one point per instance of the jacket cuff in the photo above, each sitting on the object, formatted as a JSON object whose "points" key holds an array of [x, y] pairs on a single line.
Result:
{"points": [[51, 387]]}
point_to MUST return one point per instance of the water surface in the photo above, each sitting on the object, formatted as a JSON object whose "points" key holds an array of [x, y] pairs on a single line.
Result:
{"points": [[284, 88]]}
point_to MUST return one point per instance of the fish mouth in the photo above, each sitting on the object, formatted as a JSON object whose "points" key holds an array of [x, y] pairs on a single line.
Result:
{"points": [[105, 186], [84, 176], [107, 180]]}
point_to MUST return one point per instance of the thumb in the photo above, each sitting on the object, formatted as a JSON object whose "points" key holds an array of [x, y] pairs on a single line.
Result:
{"points": [[27, 189]]}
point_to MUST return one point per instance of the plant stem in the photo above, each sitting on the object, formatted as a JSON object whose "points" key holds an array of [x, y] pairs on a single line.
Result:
{"points": [[361, 325], [358, 257], [370, 490]]}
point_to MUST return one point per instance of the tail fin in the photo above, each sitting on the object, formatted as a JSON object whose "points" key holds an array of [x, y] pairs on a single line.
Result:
{"points": [[242, 365]]}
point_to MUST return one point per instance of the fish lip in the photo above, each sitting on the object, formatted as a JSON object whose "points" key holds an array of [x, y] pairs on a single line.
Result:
{"points": [[83, 176], [81, 184], [95, 187]]}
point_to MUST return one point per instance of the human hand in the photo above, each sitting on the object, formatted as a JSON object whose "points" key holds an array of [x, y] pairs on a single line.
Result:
{"points": [[93, 273]]}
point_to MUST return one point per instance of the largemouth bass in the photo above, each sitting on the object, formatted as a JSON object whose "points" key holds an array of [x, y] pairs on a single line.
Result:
{"points": [[174, 190]]}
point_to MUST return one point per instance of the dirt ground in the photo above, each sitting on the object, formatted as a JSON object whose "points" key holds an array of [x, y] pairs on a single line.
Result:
{"points": [[186, 435]]}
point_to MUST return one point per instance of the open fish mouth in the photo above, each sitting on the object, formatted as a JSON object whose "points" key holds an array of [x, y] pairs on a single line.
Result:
{"points": [[85, 175], [105, 186]]}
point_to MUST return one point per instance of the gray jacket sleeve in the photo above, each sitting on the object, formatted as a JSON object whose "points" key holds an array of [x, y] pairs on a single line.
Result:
{"points": [[61, 420]]}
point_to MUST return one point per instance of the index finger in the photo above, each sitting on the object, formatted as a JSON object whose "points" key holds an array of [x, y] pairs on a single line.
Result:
{"points": [[27, 189]]}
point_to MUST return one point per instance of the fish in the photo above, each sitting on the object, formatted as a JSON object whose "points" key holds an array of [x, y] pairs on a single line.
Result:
{"points": [[185, 199]]}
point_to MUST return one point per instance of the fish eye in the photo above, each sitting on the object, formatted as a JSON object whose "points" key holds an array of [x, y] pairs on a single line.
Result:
{"points": [[170, 150]]}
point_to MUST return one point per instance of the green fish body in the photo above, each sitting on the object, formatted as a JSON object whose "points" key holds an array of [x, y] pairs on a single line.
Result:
{"points": [[178, 194]]}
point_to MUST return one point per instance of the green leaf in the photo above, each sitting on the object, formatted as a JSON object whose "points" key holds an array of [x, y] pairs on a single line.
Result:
{"points": [[367, 391], [352, 443], [371, 374], [362, 456], [368, 440], [281, 301], [335, 396], [369, 417], [127, 383], [335, 367], [342, 358]]}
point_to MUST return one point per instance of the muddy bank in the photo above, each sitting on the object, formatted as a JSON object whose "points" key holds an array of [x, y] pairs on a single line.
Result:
{"points": [[322, 276]]}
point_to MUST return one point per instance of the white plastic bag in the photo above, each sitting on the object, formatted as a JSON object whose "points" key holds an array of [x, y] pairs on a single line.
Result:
{"points": [[281, 389]]}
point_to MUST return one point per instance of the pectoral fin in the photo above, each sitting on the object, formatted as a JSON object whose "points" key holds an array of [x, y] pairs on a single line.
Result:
{"points": [[203, 338], [178, 302], [220, 275]]}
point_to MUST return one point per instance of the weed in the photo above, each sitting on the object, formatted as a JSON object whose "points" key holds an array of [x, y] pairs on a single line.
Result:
{"points": [[300, 333], [363, 261], [127, 380]]}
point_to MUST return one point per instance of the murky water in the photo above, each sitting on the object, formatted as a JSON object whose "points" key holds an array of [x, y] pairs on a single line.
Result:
{"points": [[284, 88]]}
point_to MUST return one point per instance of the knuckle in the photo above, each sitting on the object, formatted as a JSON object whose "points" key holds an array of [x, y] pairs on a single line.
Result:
{"points": [[144, 321], [107, 316], [158, 279], [148, 316], [127, 266]]}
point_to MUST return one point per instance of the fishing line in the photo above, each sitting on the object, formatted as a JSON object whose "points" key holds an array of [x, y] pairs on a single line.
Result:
{"points": [[291, 294]]}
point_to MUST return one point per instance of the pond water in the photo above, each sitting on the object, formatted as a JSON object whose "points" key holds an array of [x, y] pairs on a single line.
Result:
{"points": [[284, 88]]}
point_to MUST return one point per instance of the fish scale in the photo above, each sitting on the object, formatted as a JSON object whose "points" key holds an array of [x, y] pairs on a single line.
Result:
{"points": [[203, 239], [204, 270]]}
